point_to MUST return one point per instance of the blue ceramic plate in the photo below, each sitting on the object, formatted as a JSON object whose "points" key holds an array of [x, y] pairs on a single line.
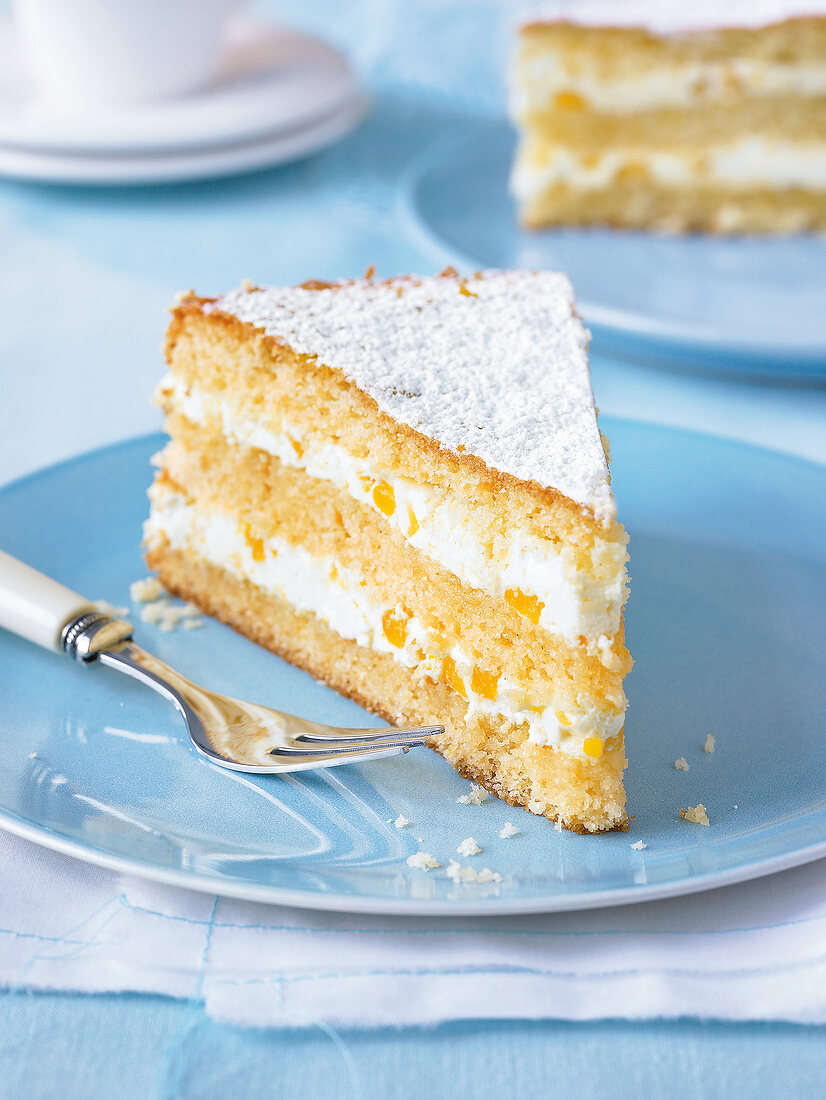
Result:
{"points": [[754, 306], [727, 621]]}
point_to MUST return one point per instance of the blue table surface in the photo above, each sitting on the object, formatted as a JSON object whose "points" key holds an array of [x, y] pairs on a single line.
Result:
{"points": [[85, 278], [127, 1046]]}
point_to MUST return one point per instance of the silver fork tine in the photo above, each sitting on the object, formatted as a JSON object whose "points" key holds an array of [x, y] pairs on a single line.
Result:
{"points": [[306, 761], [335, 748], [373, 737]]}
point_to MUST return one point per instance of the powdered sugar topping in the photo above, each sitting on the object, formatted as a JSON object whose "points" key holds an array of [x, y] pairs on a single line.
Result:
{"points": [[494, 365]]}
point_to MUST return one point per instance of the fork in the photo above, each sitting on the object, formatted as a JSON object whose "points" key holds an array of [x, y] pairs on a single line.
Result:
{"points": [[232, 733]]}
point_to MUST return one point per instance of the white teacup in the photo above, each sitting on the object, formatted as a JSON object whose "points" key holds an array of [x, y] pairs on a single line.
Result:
{"points": [[91, 53]]}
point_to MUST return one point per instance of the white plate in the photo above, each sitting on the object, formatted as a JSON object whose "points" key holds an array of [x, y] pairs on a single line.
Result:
{"points": [[203, 163], [272, 80]]}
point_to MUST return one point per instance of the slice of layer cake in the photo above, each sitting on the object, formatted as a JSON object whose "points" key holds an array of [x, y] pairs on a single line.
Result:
{"points": [[673, 114], [400, 486]]}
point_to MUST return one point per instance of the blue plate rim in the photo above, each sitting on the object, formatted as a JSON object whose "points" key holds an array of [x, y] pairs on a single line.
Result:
{"points": [[410, 907], [746, 871]]}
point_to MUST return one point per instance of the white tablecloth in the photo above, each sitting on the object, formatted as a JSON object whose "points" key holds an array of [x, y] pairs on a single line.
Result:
{"points": [[750, 952]]}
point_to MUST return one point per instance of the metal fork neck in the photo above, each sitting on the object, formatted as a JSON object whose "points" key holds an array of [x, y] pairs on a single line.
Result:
{"points": [[84, 637]]}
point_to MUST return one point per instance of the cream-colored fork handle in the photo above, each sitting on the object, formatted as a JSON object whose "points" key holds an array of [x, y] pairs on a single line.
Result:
{"points": [[34, 606]]}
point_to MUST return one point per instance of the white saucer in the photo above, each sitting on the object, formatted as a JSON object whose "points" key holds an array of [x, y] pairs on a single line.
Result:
{"points": [[272, 81], [204, 163]]}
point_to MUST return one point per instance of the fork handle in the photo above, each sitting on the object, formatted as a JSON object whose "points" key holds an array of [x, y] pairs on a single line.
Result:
{"points": [[35, 606]]}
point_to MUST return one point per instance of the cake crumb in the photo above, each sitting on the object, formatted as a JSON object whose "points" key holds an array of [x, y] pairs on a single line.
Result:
{"points": [[32, 756], [709, 745], [558, 826], [476, 796], [458, 873], [638, 847], [469, 847], [486, 875], [695, 814], [152, 614], [681, 764], [423, 861], [110, 609], [147, 590], [508, 830], [401, 822], [168, 616]]}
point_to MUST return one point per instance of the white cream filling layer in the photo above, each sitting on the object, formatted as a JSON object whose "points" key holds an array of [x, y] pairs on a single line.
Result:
{"points": [[751, 162], [575, 603], [538, 80], [335, 595]]}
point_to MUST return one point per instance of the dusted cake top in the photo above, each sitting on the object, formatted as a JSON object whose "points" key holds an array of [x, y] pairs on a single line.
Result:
{"points": [[675, 16], [493, 365]]}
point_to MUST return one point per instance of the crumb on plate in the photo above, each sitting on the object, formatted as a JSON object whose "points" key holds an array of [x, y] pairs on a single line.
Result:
{"points": [[476, 796], [423, 861], [147, 590], [168, 616], [459, 873], [110, 609], [695, 814], [469, 847]]}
